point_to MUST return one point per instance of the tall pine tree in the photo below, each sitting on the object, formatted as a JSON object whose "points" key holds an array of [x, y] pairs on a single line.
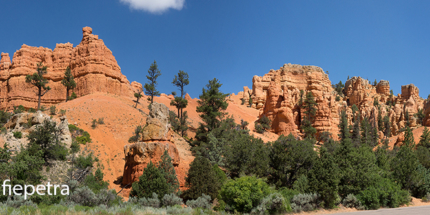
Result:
{"points": [[150, 87], [39, 81], [310, 107], [166, 168], [68, 81]]}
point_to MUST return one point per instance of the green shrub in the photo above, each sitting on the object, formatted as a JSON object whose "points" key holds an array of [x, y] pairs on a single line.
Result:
{"points": [[84, 139], [95, 181], [94, 124], [171, 200], [385, 193], [151, 181], [42, 108], [85, 161], [274, 203], [74, 147], [426, 198], [337, 98], [62, 112], [287, 193], [262, 124], [244, 193], [350, 201], [305, 202], [203, 201], [32, 110], [17, 134], [73, 96], [53, 110], [101, 121], [19, 109], [152, 201]]}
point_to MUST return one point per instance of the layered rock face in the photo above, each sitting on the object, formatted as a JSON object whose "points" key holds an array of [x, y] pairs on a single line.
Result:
{"points": [[92, 63], [277, 96], [157, 137]]}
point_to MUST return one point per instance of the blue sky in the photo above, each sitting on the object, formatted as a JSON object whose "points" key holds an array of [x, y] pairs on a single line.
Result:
{"points": [[233, 40]]}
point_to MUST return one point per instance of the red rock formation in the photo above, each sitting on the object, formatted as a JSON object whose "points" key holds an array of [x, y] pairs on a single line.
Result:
{"points": [[156, 138], [92, 63], [278, 94]]}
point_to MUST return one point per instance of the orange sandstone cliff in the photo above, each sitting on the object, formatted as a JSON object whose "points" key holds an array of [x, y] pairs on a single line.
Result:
{"points": [[92, 63]]}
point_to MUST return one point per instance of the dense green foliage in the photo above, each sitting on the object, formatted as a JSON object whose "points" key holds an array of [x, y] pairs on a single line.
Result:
{"points": [[151, 181], [244, 193], [166, 168]]}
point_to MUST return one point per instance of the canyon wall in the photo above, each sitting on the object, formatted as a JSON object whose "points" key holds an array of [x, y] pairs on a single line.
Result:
{"points": [[92, 64]]}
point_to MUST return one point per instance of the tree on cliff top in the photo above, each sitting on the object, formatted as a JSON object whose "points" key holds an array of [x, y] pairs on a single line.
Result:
{"points": [[180, 81], [138, 96], [39, 81], [154, 73], [68, 81]]}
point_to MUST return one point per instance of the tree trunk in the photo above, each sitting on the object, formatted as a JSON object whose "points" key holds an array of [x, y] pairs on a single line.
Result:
{"points": [[67, 95], [39, 95]]}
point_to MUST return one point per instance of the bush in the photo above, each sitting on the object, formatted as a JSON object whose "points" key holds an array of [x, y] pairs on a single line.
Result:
{"points": [[203, 201], [426, 198], [337, 98], [19, 109], [42, 108], [53, 110], [62, 112], [262, 124], [94, 124], [84, 162], [274, 203], [84, 138], [74, 147], [151, 181], [153, 202], [32, 110], [350, 201], [244, 193], [305, 202], [95, 181], [73, 96], [17, 134], [101, 121], [385, 193], [171, 200], [17, 202], [287, 193]]}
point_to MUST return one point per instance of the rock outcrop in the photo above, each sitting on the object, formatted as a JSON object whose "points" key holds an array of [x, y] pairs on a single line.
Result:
{"points": [[92, 63], [157, 137], [277, 96], [28, 122]]}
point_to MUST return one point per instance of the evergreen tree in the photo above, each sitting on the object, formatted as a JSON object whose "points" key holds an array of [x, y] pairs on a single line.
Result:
{"points": [[166, 168], [343, 126], [212, 103], [405, 163], [150, 87], [425, 138], [387, 126], [324, 178], [288, 159], [354, 109], [380, 121], [310, 111], [46, 138], [180, 81], [137, 96], [250, 101], [137, 135], [68, 81], [39, 81], [407, 118], [201, 179], [420, 116], [95, 182], [151, 181], [356, 137]]}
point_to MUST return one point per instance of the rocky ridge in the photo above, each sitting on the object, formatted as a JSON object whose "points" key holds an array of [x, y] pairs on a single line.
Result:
{"points": [[92, 64]]}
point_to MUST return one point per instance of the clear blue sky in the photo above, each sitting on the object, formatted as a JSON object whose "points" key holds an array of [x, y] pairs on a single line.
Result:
{"points": [[233, 40]]}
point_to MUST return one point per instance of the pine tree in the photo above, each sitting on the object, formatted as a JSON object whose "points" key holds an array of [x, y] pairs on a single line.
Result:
{"points": [[387, 126], [324, 178], [151, 181], [150, 88], [310, 111], [212, 103], [39, 81], [380, 122], [409, 138], [68, 81], [356, 137], [425, 138], [407, 118], [180, 81], [137, 96], [166, 168], [366, 131], [250, 101], [201, 179], [343, 126]]}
